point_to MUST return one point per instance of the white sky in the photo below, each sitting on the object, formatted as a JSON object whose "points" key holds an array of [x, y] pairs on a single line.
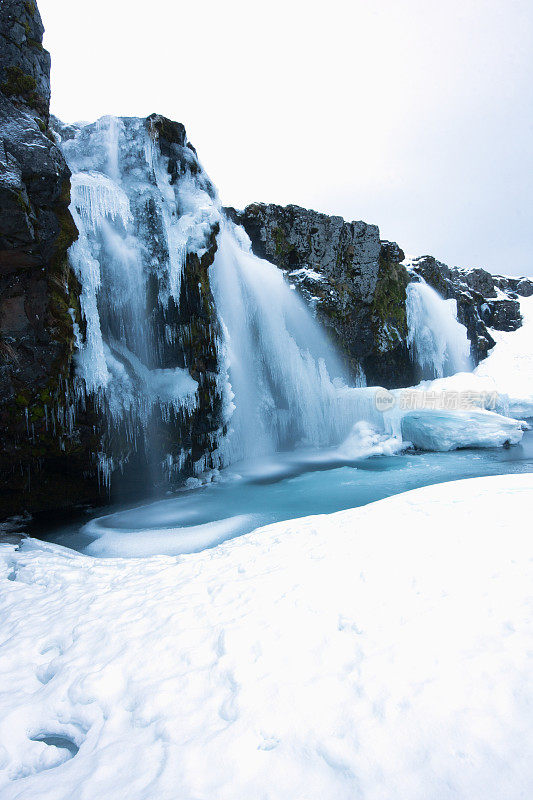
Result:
{"points": [[416, 115]]}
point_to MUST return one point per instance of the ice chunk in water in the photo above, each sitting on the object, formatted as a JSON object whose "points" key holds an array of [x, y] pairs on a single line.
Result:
{"points": [[443, 430]]}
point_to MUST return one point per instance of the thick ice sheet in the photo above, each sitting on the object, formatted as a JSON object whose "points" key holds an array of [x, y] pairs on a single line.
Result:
{"points": [[443, 430], [375, 653]]}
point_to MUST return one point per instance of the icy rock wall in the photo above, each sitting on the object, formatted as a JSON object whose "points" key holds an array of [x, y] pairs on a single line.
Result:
{"points": [[147, 349]]}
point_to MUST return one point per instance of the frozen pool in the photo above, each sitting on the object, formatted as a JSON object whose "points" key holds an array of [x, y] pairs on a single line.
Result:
{"points": [[245, 498]]}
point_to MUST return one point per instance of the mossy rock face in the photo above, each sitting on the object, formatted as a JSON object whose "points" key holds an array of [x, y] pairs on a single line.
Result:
{"points": [[192, 344], [46, 440], [388, 305], [22, 86], [24, 63]]}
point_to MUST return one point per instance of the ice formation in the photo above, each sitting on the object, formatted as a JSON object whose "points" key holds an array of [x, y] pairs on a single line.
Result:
{"points": [[441, 430], [439, 343], [133, 224], [287, 385], [280, 382]]}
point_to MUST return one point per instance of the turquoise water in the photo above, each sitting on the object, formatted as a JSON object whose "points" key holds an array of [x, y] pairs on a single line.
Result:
{"points": [[242, 501]]}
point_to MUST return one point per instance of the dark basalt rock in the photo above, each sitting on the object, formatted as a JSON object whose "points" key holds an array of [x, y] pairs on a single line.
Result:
{"points": [[356, 286], [169, 132], [502, 315], [24, 63], [43, 455], [296, 238], [520, 286]]}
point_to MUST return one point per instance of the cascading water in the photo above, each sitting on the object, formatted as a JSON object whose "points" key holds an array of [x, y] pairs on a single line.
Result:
{"points": [[204, 362], [143, 207], [438, 342], [137, 225], [287, 384], [200, 355]]}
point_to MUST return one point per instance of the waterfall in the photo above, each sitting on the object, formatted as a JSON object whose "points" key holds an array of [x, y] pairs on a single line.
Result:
{"points": [[196, 352], [132, 226], [198, 369], [286, 382], [437, 340], [137, 224]]}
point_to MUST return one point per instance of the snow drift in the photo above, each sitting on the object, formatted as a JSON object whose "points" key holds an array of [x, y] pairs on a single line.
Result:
{"points": [[379, 652]]}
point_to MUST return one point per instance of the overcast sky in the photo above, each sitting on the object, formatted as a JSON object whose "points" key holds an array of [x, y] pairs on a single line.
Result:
{"points": [[416, 115]]}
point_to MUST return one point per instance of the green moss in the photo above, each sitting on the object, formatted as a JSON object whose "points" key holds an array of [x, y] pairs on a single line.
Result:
{"points": [[27, 28], [68, 233], [388, 305], [41, 124], [39, 443], [63, 289], [282, 247], [20, 84], [37, 413], [30, 7], [21, 201], [280, 240], [344, 259]]}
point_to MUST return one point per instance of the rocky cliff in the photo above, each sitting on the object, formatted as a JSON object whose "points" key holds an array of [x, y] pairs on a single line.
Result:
{"points": [[62, 444], [41, 454]]}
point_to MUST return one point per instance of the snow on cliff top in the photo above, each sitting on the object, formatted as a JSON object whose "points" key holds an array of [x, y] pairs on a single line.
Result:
{"points": [[375, 653]]}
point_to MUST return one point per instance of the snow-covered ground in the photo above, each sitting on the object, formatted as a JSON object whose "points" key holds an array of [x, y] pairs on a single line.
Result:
{"points": [[510, 364], [377, 653]]}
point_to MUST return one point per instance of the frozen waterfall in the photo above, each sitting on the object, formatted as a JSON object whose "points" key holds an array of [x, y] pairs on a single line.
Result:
{"points": [[438, 342], [277, 383], [286, 382], [136, 226], [197, 352]]}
